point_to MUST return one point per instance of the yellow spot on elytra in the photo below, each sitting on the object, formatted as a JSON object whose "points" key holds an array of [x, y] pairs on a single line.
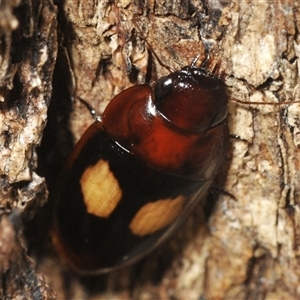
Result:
{"points": [[100, 189], [156, 215]]}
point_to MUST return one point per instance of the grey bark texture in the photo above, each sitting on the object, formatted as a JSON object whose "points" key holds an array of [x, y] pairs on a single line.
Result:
{"points": [[242, 248]]}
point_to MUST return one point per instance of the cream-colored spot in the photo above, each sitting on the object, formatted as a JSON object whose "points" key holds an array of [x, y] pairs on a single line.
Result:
{"points": [[156, 215], [100, 189]]}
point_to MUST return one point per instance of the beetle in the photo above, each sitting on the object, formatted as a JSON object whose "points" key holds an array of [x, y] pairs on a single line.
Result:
{"points": [[140, 170]]}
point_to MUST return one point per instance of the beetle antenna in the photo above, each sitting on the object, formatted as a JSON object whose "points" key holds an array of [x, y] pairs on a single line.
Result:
{"points": [[151, 49], [263, 103]]}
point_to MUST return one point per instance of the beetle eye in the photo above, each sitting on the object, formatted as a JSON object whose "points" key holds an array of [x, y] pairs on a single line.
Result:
{"points": [[163, 86]]}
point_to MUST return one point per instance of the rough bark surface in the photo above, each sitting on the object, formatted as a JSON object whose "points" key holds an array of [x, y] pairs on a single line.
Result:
{"points": [[243, 248], [27, 55]]}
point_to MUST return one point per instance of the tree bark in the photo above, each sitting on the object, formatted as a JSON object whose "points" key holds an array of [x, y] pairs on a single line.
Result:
{"points": [[241, 247], [27, 56]]}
